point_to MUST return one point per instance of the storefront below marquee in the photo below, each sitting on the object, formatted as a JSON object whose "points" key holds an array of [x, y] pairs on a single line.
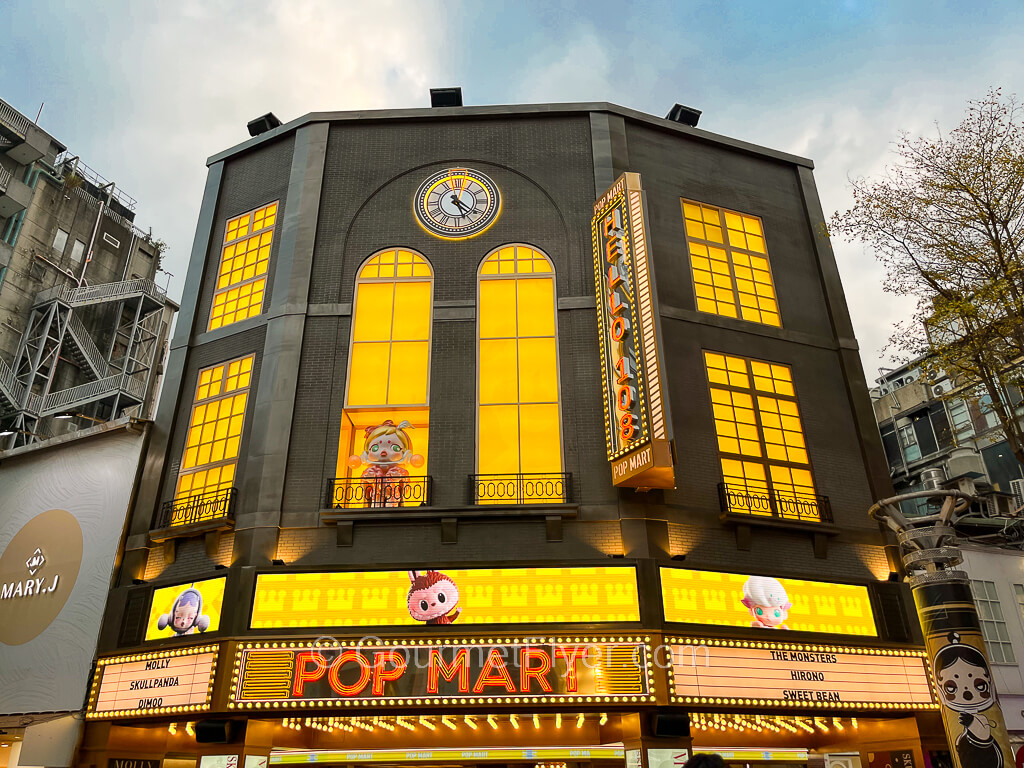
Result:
{"points": [[519, 740]]}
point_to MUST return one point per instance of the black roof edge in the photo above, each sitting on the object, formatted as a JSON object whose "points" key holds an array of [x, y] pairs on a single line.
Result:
{"points": [[444, 113]]}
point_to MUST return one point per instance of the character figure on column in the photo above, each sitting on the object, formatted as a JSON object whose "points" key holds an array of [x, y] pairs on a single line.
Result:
{"points": [[965, 685], [387, 448]]}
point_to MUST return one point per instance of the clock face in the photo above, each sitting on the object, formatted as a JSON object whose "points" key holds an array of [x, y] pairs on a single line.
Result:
{"points": [[457, 203]]}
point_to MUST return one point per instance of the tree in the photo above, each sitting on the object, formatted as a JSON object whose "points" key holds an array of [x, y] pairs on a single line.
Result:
{"points": [[947, 222]]}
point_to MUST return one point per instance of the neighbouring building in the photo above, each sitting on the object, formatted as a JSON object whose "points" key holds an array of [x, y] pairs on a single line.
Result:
{"points": [[83, 325], [529, 435], [83, 332]]}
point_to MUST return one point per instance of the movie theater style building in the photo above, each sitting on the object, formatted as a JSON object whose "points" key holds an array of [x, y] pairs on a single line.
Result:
{"points": [[530, 435]]}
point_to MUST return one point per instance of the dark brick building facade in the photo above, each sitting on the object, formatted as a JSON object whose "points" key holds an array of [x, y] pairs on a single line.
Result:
{"points": [[344, 185]]}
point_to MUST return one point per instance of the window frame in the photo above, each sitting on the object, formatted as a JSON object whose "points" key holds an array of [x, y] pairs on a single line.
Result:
{"points": [[206, 402], [729, 249], [57, 236], [352, 328], [763, 459], [265, 276], [991, 598], [552, 275]]}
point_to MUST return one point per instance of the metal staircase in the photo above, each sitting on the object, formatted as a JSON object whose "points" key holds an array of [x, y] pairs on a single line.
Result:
{"points": [[59, 367]]}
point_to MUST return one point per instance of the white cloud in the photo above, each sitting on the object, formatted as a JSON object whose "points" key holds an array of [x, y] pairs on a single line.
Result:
{"points": [[194, 73]]}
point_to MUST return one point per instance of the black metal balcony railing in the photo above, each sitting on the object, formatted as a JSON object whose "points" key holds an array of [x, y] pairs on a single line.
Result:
{"points": [[522, 488], [214, 505], [378, 492], [785, 506]]}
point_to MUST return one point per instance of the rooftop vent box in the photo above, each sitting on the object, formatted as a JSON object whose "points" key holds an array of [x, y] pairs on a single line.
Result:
{"points": [[685, 115], [263, 124], [446, 97]]}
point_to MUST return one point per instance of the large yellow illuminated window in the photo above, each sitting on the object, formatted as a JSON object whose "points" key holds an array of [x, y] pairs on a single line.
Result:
{"points": [[214, 430], [388, 380], [729, 259], [519, 426], [242, 278], [765, 467]]}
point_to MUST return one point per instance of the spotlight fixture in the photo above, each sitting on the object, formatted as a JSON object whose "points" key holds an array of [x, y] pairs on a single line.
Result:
{"points": [[536, 720], [138, 582], [278, 562], [604, 718], [172, 728], [190, 729], [514, 720], [219, 567], [492, 722], [679, 557], [579, 720], [470, 722]]}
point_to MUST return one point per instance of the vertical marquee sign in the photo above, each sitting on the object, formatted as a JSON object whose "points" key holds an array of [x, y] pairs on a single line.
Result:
{"points": [[636, 418]]}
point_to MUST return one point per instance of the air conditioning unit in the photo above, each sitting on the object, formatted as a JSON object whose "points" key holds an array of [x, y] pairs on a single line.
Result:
{"points": [[998, 505], [940, 389], [1017, 489]]}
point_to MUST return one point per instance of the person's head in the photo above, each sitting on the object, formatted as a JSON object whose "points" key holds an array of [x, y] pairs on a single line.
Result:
{"points": [[705, 760], [963, 677], [766, 599]]}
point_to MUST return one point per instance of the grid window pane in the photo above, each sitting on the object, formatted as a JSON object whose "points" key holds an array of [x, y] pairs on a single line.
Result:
{"points": [[391, 322], [993, 625], [244, 260], [765, 465], [728, 260], [215, 430], [519, 423]]}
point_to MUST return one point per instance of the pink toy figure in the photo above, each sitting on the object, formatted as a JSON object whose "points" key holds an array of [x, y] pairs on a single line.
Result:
{"points": [[387, 447], [767, 601], [432, 597]]}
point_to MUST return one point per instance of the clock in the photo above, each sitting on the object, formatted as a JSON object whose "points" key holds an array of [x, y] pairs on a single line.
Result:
{"points": [[457, 203]]}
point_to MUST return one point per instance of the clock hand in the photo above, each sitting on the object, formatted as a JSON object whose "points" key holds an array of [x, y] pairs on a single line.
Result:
{"points": [[457, 201]]}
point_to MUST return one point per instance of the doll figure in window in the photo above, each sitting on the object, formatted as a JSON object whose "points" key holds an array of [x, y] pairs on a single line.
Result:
{"points": [[387, 448]]}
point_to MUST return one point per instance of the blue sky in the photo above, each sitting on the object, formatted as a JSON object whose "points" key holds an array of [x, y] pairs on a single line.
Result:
{"points": [[145, 92]]}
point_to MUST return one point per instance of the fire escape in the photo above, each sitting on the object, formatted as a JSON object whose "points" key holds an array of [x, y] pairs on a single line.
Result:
{"points": [[118, 377]]}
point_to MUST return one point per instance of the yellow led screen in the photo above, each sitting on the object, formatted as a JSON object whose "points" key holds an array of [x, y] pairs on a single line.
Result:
{"points": [[465, 596], [740, 600], [186, 609]]}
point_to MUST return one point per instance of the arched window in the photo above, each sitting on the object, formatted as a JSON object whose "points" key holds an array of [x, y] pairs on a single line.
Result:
{"points": [[519, 430], [385, 423]]}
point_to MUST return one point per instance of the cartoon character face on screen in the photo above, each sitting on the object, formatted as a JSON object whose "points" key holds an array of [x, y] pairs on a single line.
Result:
{"points": [[186, 614], [767, 601], [433, 597]]}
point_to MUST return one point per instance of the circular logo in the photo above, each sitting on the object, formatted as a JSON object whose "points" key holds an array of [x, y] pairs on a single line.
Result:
{"points": [[457, 203], [38, 570]]}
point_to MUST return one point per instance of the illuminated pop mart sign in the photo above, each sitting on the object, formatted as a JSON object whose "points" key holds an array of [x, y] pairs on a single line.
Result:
{"points": [[411, 672], [636, 422]]}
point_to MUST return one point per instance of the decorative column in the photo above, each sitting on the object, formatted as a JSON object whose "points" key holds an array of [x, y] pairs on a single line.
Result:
{"points": [[959, 663]]}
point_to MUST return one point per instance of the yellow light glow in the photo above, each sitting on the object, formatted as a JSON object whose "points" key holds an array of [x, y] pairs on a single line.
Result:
{"points": [[579, 720], [518, 422], [470, 722], [164, 601], [172, 728], [713, 597], [214, 432], [447, 722], [241, 277], [379, 598], [190, 729], [427, 724], [604, 719], [492, 722], [536, 720], [514, 721]]}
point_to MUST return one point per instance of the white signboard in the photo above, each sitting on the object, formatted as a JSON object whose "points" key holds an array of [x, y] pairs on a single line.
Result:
{"points": [[772, 673], [153, 684]]}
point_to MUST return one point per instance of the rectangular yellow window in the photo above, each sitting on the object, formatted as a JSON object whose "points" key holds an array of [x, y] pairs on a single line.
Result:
{"points": [[729, 263], [519, 440], [242, 277], [385, 429], [214, 434], [765, 466]]}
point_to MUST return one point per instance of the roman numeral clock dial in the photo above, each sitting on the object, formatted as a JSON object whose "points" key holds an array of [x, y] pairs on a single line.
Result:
{"points": [[457, 203]]}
